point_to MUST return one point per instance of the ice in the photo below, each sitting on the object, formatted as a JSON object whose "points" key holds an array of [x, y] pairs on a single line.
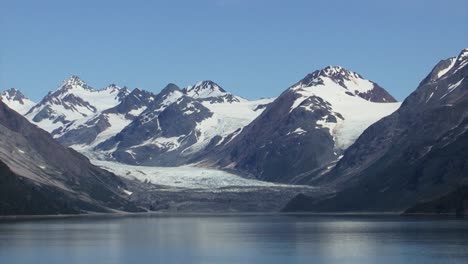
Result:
{"points": [[189, 177]]}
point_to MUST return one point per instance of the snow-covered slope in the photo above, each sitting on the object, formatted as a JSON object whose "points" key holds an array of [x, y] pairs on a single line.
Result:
{"points": [[307, 127], [226, 122], [351, 113], [180, 124], [16, 100], [84, 134], [73, 100]]}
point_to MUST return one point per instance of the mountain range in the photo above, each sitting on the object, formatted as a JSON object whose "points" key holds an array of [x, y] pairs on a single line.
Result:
{"points": [[333, 129]]}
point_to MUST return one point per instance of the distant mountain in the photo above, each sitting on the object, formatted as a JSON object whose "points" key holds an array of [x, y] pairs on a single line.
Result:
{"points": [[180, 123], [416, 159], [16, 101], [210, 91], [73, 100], [306, 128], [40, 176], [86, 133]]}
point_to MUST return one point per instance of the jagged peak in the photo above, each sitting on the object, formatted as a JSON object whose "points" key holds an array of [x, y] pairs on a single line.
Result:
{"points": [[74, 81], [14, 94], [333, 72], [140, 93], [170, 87], [205, 89], [112, 86], [353, 84], [206, 85], [337, 74]]}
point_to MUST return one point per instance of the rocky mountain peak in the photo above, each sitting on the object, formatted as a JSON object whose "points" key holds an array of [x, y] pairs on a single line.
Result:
{"points": [[14, 95], [112, 86], [170, 87], [205, 89], [352, 83], [445, 66], [16, 100], [74, 81], [463, 54], [337, 74]]}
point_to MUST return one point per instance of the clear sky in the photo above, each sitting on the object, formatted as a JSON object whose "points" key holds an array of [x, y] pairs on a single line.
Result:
{"points": [[253, 48]]}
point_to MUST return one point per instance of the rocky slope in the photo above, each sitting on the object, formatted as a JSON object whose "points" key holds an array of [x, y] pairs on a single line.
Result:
{"points": [[40, 176]]}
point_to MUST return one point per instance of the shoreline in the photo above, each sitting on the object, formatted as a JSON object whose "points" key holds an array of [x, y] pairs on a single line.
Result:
{"points": [[9, 218]]}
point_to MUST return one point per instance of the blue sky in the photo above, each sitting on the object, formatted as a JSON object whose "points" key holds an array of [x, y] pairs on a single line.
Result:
{"points": [[253, 48]]}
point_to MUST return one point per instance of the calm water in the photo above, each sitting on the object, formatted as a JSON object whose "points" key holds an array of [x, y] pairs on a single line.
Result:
{"points": [[235, 239]]}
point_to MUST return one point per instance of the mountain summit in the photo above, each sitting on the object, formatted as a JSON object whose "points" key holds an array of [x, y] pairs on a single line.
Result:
{"points": [[204, 89], [73, 100], [16, 100], [353, 82], [210, 91], [74, 81]]}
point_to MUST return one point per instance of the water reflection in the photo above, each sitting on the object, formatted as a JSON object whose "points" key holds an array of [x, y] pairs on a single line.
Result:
{"points": [[229, 239]]}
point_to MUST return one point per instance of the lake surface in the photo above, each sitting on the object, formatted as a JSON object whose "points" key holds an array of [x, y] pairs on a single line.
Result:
{"points": [[235, 239]]}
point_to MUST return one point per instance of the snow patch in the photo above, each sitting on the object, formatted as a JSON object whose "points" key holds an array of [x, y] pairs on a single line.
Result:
{"points": [[445, 70], [298, 131]]}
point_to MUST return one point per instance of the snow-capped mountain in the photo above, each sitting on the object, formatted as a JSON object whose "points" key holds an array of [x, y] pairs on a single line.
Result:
{"points": [[307, 127], [73, 100], [16, 100], [180, 124], [84, 134], [414, 156], [40, 176]]}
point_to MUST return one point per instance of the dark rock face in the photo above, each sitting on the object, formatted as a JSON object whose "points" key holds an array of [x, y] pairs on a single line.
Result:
{"points": [[414, 155], [40, 176], [454, 203], [288, 140], [267, 149]]}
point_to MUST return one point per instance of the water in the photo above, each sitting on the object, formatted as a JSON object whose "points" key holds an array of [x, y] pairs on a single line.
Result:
{"points": [[235, 239]]}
